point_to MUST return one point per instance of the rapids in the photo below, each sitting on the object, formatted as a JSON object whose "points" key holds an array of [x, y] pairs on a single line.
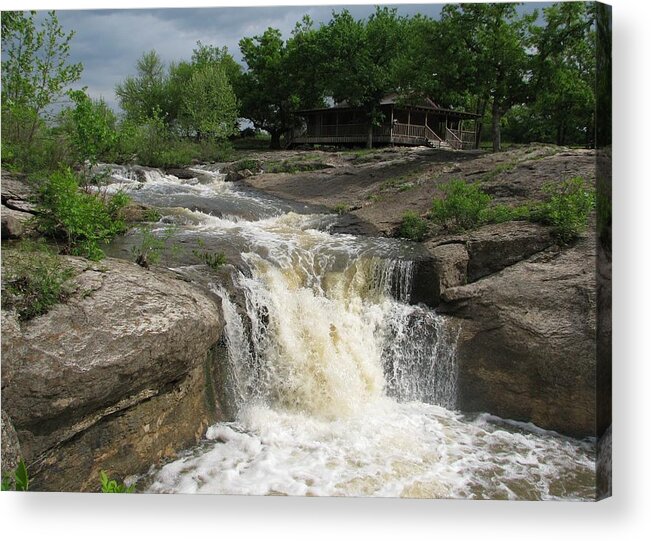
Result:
{"points": [[338, 386]]}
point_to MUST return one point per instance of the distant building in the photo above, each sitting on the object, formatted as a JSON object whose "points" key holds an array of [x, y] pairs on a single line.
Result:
{"points": [[417, 123]]}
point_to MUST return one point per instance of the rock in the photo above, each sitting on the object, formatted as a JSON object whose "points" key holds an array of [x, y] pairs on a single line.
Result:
{"points": [[496, 246], [446, 268], [11, 453], [605, 464], [14, 187], [527, 348], [183, 174], [15, 224], [117, 378]]}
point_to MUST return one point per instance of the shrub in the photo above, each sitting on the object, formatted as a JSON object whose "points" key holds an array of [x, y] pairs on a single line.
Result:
{"points": [[498, 214], [413, 227], [35, 278], [151, 247], [462, 206], [112, 486], [18, 479], [568, 208], [81, 221], [340, 208], [215, 260]]}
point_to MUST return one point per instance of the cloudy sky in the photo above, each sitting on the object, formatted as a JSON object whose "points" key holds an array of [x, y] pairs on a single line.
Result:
{"points": [[108, 42]]}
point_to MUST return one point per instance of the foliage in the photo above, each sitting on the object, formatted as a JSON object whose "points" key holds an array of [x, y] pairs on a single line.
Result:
{"points": [[151, 246], [214, 260], [498, 214], [340, 208], [112, 486], [280, 78], [144, 96], [94, 132], [35, 72], [81, 221], [209, 103], [413, 227], [35, 279], [360, 58], [462, 206], [18, 479], [568, 208]]}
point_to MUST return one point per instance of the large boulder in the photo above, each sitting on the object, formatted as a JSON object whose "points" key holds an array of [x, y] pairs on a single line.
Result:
{"points": [[494, 247], [527, 348], [15, 224], [17, 208], [11, 453], [118, 378]]}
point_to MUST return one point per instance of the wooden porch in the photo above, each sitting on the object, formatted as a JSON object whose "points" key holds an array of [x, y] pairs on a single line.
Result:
{"points": [[425, 125]]}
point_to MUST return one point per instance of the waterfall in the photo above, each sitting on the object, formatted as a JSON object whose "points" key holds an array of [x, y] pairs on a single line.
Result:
{"points": [[330, 343]]}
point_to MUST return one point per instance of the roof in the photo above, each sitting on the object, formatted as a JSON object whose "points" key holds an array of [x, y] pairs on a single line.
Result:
{"points": [[424, 104]]}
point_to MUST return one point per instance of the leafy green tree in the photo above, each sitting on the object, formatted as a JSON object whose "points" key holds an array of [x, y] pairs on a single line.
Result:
{"points": [[564, 72], [145, 93], [35, 73], [267, 97], [94, 127], [361, 59], [209, 103], [281, 78], [491, 47]]}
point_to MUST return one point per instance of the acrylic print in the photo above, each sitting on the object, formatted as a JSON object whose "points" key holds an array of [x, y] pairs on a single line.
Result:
{"points": [[308, 251]]}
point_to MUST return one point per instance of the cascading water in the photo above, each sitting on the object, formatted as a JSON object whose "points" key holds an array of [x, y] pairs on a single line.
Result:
{"points": [[337, 385]]}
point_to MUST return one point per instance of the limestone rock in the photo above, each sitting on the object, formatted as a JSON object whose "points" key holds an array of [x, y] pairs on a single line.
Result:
{"points": [[15, 224], [10, 447], [117, 378], [527, 348], [494, 247]]}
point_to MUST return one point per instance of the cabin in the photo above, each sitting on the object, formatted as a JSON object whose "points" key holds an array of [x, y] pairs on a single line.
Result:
{"points": [[418, 123]]}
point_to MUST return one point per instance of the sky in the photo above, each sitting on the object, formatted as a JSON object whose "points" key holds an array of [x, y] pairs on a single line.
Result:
{"points": [[108, 42]]}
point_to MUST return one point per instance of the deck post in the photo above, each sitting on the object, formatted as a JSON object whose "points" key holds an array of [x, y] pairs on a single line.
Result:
{"points": [[336, 123]]}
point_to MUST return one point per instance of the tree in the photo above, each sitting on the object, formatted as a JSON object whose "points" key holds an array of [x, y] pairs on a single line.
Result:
{"points": [[491, 47], [35, 72], [210, 104], [267, 97], [361, 60], [282, 77], [564, 72], [145, 93], [93, 127]]}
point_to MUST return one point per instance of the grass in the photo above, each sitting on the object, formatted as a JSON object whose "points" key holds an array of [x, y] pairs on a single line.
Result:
{"points": [[35, 279]]}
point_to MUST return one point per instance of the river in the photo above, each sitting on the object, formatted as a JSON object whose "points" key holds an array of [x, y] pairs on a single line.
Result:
{"points": [[334, 384]]}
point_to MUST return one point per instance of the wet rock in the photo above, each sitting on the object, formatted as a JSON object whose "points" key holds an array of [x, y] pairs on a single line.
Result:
{"points": [[117, 378], [527, 348]]}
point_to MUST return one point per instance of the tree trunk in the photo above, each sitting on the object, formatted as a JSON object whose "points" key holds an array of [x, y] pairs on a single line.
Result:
{"points": [[496, 132], [275, 140], [479, 123], [369, 138]]}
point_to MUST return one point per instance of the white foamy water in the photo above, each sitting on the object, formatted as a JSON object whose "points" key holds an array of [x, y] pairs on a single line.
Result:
{"points": [[336, 384]]}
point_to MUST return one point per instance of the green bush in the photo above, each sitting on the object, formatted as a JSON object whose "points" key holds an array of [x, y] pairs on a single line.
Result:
{"points": [[18, 479], [568, 208], [79, 220], [34, 278], [413, 227], [112, 486], [462, 206], [151, 247], [340, 208], [498, 214]]}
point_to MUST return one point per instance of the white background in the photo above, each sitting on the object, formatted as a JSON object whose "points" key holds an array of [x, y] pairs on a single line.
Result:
{"points": [[625, 516]]}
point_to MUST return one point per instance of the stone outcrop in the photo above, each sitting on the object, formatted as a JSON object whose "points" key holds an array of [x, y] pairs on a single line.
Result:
{"points": [[118, 378], [17, 209], [527, 345]]}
